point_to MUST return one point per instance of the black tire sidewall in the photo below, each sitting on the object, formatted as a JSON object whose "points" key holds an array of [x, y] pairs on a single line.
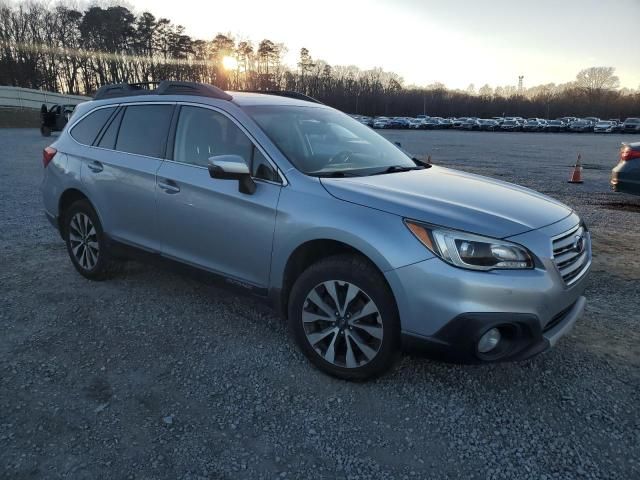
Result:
{"points": [[364, 275], [99, 271]]}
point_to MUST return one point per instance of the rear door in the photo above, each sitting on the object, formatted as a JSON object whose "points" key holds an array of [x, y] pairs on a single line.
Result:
{"points": [[120, 176], [208, 222]]}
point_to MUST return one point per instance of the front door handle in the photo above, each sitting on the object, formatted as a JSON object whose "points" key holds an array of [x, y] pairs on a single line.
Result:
{"points": [[169, 186], [95, 166]]}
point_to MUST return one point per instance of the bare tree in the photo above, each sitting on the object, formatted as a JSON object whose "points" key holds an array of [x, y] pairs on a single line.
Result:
{"points": [[594, 81], [67, 49]]}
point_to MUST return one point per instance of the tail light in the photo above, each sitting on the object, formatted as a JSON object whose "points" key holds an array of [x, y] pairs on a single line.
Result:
{"points": [[47, 155], [627, 153]]}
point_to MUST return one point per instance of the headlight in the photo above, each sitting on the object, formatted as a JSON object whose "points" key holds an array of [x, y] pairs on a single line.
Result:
{"points": [[471, 251]]}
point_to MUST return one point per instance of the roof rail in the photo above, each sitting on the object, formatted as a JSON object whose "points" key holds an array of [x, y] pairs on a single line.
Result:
{"points": [[123, 90], [288, 94], [166, 87]]}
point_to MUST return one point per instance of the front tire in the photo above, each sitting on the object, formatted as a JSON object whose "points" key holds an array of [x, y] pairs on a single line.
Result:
{"points": [[86, 242], [344, 318]]}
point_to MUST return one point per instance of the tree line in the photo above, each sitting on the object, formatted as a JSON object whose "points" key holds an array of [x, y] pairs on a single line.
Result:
{"points": [[68, 50]]}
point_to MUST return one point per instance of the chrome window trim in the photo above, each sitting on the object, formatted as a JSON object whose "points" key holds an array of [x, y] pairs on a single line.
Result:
{"points": [[116, 105], [284, 182]]}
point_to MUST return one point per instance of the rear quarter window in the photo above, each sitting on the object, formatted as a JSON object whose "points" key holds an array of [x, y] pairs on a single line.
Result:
{"points": [[87, 129]]}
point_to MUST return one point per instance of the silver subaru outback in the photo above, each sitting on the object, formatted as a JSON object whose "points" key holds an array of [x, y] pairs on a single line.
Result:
{"points": [[362, 249]]}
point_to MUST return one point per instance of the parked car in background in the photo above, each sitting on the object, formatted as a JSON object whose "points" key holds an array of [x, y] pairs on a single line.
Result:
{"points": [[381, 122], [457, 122], [604, 126], [581, 126], [532, 125], [568, 120], [625, 176], [445, 123], [631, 125], [593, 120], [416, 124], [488, 125], [399, 122], [431, 123], [555, 126], [511, 126], [470, 124], [367, 248], [368, 121], [54, 118]]}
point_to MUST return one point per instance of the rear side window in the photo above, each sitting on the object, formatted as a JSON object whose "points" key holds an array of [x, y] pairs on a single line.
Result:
{"points": [[144, 130], [87, 129]]}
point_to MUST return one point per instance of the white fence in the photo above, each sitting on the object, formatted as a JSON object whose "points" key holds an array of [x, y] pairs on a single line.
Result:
{"points": [[27, 98]]}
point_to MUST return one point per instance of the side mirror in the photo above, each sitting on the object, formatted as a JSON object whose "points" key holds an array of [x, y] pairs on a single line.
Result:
{"points": [[232, 167]]}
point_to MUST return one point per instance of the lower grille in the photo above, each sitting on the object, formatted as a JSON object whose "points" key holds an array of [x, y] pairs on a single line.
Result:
{"points": [[571, 253]]}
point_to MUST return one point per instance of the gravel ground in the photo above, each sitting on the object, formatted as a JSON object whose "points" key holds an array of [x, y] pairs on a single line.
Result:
{"points": [[156, 374]]}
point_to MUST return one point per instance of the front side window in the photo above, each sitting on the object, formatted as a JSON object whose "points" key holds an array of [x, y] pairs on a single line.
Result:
{"points": [[144, 130], [321, 141], [87, 129], [203, 133]]}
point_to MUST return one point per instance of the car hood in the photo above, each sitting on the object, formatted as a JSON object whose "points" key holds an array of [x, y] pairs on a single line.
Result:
{"points": [[453, 199]]}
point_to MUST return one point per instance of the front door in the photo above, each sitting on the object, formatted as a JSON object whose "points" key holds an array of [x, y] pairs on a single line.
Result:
{"points": [[208, 222]]}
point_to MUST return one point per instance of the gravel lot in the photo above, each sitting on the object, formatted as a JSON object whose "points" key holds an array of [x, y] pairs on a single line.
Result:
{"points": [[157, 374]]}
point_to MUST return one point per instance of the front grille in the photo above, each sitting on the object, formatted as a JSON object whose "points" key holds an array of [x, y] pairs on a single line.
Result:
{"points": [[572, 262]]}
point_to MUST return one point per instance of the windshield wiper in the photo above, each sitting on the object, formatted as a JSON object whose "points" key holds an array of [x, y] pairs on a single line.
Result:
{"points": [[397, 168], [421, 163], [333, 174]]}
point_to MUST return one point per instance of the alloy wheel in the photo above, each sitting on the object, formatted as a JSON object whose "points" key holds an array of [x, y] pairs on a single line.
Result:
{"points": [[342, 324], [83, 238]]}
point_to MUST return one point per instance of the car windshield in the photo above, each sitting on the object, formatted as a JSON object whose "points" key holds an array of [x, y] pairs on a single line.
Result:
{"points": [[320, 141]]}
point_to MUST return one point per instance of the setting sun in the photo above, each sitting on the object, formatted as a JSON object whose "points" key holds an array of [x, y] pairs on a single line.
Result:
{"points": [[229, 63]]}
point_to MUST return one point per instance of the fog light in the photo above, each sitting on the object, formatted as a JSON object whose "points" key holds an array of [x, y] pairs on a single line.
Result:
{"points": [[489, 340]]}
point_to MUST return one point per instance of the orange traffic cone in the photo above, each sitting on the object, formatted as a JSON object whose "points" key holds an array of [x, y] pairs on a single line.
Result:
{"points": [[576, 176]]}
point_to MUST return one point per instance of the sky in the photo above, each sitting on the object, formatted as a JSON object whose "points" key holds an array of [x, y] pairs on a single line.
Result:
{"points": [[425, 41]]}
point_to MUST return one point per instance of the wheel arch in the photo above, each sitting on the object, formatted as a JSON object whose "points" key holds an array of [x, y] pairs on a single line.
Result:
{"points": [[307, 254], [68, 198]]}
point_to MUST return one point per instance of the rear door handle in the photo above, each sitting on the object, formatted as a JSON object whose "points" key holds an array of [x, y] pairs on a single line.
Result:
{"points": [[169, 186], [95, 166]]}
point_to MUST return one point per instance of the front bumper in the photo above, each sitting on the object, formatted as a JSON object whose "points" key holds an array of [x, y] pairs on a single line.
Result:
{"points": [[523, 335], [448, 309]]}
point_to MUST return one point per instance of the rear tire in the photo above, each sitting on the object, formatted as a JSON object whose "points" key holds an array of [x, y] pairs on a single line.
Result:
{"points": [[344, 318], [86, 242]]}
